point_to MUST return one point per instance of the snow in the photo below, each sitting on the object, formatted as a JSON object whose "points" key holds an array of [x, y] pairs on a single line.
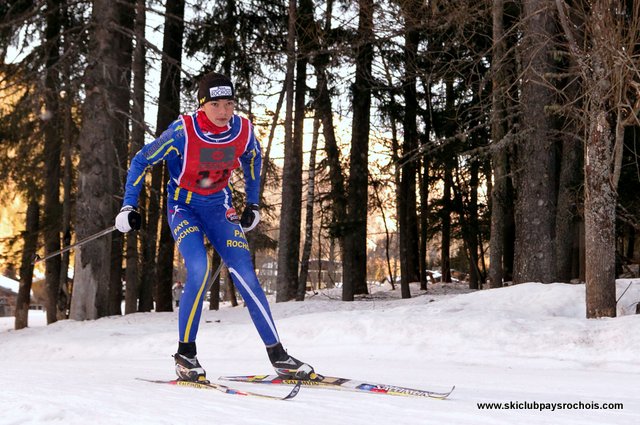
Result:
{"points": [[524, 343]]}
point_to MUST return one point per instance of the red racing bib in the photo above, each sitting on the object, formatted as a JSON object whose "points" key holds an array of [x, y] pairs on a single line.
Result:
{"points": [[207, 165]]}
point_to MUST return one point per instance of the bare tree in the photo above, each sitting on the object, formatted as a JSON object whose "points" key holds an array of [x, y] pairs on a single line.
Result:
{"points": [[324, 109], [308, 234], [610, 79]]}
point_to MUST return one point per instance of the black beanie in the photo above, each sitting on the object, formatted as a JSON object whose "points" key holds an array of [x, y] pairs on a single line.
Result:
{"points": [[214, 86]]}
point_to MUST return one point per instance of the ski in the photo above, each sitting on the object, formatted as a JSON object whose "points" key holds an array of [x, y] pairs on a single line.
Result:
{"points": [[332, 382], [207, 385]]}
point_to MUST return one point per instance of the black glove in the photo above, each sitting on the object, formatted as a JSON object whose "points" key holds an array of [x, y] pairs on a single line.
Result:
{"points": [[128, 219], [250, 217]]}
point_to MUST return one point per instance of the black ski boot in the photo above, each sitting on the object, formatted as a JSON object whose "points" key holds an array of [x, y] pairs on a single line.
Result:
{"points": [[288, 367], [188, 367]]}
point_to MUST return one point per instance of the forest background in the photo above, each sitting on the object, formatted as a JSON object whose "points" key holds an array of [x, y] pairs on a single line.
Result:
{"points": [[494, 137]]}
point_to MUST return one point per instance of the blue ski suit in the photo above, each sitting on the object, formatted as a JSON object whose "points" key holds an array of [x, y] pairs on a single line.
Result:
{"points": [[199, 204]]}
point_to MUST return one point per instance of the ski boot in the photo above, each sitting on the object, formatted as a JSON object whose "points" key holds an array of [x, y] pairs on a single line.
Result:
{"points": [[188, 367], [288, 367]]}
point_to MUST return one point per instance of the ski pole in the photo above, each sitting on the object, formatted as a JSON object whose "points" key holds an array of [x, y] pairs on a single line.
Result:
{"points": [[217, 272], [215, 276], [37, 258]]}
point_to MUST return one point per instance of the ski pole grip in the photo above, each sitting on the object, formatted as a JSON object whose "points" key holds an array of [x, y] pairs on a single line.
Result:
{"points": [[135, 219]]}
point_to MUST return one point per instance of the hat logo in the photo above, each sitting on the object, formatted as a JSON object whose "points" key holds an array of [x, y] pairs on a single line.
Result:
{"points": [[220, 91]]}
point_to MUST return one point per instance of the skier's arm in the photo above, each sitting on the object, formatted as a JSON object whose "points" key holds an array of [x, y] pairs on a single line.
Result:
{"points": [[169, 145], [251, 162]]}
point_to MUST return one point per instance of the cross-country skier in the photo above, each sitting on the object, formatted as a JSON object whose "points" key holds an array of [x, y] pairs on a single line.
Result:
{"points": [[201, 151]]}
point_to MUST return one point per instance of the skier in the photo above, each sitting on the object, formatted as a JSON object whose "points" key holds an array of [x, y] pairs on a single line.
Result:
{"points": [[201, 151]]}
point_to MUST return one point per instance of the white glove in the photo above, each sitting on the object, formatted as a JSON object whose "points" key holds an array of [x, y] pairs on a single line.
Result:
{"points": [[128, 219], [250, 217]]}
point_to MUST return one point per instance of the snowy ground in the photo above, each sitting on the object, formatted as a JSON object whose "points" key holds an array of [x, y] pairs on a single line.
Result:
{"points": [[526, 343]]}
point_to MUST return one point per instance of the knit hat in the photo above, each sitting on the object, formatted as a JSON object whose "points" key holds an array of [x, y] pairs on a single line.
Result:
{"points": [[215, 86]]}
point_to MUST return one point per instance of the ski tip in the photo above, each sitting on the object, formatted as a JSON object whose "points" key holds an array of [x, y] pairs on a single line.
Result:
{"points": [[442, 396]]}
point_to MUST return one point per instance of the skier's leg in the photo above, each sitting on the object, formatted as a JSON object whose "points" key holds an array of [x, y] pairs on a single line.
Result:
{"points": [[189, 238], [229, 241]]}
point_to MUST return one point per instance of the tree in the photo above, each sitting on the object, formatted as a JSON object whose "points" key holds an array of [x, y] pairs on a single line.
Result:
{"points": [[407, 211], [96, 206], [609, 79], [323, 107], [499, 151], [26, 270], [69, 99], [355, 245], [51, 125], [168, 111], [536, 154], [308, 231], [122, 94], [132, 274], [289, 228]]}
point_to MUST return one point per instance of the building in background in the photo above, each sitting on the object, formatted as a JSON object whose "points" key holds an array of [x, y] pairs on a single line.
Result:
{"points": [[9, 296]]}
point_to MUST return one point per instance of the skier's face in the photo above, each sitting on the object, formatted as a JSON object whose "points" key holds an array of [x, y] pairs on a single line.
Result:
{"points": [[220, 111]]}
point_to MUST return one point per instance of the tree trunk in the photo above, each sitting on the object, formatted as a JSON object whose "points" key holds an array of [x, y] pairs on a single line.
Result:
{"points": [[600, 171], [324, 109], [266, 157], [95, 206], [424, 213], [308, 235], [408, 218], [473, 236], [168, 111], [355, 246], [387, 236], [164, 299], [445, 218], [149, 240], [122, 88], [424, 189], [287, 252], [447, 201], [338, 193], [51, 120], [599, 207], [64, 294], [26, 268], [536, 176], [499, 156], [132, 274], [69, 135]]}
